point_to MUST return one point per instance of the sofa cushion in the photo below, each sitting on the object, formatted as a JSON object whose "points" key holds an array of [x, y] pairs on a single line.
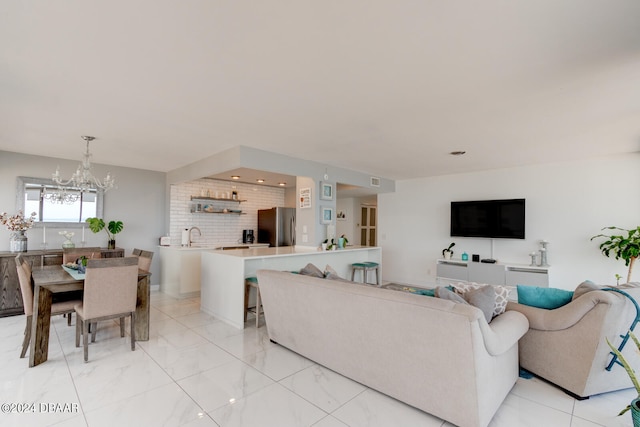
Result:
{"points": [[501, 294], [482, 298], [584, 287], [311, 270], [548, 298]]}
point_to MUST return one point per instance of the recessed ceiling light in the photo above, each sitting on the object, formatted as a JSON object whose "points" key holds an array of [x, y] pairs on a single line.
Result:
{"points": [[235, 177], [282, 184], [260, 180], [457, 153]]}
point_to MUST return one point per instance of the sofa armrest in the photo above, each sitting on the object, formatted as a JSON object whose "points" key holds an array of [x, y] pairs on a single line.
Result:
{"points": [[503, 332], [566, 316]]}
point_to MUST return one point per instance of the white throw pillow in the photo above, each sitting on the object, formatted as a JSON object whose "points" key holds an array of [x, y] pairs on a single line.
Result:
{"points": [[502, 294]]}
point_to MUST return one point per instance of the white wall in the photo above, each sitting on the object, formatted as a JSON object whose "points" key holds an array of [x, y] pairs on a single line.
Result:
{"points": [[139, 201], [567, 203]]}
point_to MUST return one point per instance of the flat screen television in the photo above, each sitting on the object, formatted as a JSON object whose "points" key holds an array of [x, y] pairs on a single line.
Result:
{"points": [[496, 219]]}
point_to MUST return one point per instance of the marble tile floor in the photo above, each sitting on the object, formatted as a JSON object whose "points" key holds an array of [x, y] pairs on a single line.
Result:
{"points": [[197, 371]]}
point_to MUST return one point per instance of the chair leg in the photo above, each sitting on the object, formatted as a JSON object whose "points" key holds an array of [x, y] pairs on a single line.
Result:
{"points": [[257, 307], [85, 341], [133, 330], [94, 329], [122, 327], [353, 274], [27, 336], [68, 319], [79, 324], [247, 289]]}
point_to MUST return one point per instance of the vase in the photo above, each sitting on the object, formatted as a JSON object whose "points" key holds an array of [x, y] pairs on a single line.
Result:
{"points": [[18, 241], [341, 242], [635, 412], [111, 244], [68, 244]]}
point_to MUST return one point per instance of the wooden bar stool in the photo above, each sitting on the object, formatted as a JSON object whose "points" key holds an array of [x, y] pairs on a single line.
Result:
{"points": [[365, 267], [252, 282]]}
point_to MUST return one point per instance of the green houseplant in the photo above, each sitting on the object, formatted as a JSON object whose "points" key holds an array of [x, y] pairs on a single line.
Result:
{"points": [[625, 245], [635, 410], [114, 227]]}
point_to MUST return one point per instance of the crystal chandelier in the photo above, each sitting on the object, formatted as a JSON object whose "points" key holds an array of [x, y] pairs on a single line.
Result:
{"points": [[61, 196], [82, 180]]}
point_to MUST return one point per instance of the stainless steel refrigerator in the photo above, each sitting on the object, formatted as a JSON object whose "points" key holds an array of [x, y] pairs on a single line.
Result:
{"points": [[277, 226]]}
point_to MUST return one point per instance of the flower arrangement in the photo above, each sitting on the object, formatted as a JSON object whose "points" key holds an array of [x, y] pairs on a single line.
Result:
{"points": [[17, 222], [67, 234]]}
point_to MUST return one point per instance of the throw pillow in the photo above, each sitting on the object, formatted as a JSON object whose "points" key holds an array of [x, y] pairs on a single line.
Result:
{"points": [[444, 293], [483, 298], [501, 294], [312, 270], [548, 298], [584, 287], [331, 274]]}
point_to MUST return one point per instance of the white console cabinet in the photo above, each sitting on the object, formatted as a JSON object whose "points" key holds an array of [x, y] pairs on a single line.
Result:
{"points": [[495, 274]]}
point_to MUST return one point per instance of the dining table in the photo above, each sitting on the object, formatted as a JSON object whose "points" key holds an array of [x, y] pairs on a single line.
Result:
{"points": [[54, 279]]}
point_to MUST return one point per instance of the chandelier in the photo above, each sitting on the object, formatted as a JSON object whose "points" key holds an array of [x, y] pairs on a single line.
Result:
{"points": [[81, 181]]}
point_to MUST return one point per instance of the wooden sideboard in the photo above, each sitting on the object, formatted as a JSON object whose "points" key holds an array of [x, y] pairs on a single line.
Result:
{"points": [[10, 296]]}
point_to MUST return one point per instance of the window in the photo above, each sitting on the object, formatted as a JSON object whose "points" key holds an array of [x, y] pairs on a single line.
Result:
{"points": [[32, 197]]}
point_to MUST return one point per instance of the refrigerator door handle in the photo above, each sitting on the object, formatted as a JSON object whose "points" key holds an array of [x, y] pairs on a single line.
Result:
{"points": [[293, 231]]}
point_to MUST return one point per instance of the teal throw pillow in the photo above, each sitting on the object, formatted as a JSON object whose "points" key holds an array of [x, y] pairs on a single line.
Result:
{"points": [[548, 298]]}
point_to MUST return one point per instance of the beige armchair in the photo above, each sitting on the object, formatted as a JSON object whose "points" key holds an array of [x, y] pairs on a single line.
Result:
{"points": [[567, 347], [26, 289], [110, 292]]}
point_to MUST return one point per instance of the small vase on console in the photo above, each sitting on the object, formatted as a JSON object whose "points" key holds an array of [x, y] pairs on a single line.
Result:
{"points": [[18, 241]]}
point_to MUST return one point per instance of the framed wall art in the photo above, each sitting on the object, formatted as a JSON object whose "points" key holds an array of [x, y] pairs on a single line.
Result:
{"points": [[326, 215], [326, 191]]}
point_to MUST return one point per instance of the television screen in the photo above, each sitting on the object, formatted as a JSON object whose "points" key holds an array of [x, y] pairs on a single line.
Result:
{"points": [[499, 219]]}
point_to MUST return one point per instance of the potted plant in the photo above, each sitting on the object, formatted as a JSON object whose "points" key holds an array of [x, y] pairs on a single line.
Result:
{"points": [[447, 253], [113, 228], [635, 409], [342, 241], [625, 245]]}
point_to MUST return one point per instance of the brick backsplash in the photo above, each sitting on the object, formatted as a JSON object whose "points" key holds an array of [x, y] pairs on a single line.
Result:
{"points": [[219, 228]]}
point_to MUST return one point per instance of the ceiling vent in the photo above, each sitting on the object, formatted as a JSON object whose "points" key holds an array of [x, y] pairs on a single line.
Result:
{"points": [[375, 182]]}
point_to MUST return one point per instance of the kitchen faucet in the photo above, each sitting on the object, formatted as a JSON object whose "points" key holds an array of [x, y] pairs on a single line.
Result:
{"points": [[190, 230]]}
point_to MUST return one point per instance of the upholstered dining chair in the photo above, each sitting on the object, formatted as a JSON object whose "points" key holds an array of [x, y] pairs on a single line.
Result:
{"points": [[26, 289], [72, 254], [110, 292], [144, 259]]}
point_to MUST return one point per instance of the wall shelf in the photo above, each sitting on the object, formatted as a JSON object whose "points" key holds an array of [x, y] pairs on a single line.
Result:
{"points": [[214, 205]]}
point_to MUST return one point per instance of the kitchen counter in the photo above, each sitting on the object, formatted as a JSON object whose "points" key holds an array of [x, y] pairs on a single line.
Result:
{"points": [[180, 266], [223, 272]]}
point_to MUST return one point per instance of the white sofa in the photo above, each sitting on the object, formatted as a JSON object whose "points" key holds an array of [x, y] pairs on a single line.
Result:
{"points": [[433, 354]]}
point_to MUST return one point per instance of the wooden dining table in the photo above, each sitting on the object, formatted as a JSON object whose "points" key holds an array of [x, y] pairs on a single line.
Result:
{"points": [[53, 279]]}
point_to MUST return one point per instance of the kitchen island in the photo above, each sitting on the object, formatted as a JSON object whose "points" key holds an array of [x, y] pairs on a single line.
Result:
{"points": [[223, 272]]}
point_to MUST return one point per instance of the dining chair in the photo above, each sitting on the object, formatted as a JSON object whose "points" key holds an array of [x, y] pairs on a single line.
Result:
{"points": [[110, 292], [72, 254], [26, 289], [144, 259]]}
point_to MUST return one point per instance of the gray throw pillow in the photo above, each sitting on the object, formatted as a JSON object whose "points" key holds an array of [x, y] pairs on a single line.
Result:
{"points": [[483, 298], [584, 287], [312, 270], [331, 274], [444, 293]]}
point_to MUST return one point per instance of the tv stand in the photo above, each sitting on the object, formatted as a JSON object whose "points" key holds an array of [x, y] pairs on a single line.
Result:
{"points": [[452, 271]]}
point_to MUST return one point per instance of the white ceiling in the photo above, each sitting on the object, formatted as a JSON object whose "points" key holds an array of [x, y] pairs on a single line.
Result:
{"points": [[386, 87]]}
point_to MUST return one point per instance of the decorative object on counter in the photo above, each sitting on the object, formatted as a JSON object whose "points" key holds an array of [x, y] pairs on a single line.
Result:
{"points": [[475, 257], [543, 253], [18, 224], [329, 245], [465, 256], [635, 403], [82, 180], [113, 228], [625, 246], [68, 243], [447, 253], [534, 257], [342, 241]]}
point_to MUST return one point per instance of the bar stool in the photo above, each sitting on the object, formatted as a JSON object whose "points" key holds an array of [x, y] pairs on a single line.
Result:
{"points": [[252, 282], [365, 267]]}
